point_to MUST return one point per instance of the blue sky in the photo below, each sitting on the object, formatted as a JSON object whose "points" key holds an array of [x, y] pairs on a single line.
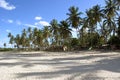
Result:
{"points": [[18, 14]]}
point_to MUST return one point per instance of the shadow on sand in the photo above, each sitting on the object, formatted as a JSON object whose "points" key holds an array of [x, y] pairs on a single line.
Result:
{"points": [[65, 65]]}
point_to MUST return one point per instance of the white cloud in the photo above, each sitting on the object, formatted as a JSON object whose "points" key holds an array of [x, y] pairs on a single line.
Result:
{"points": [[38, 18], [43, 23], [6, 5], [29, 25], [10, 21], [8, 30], [18, 23]]}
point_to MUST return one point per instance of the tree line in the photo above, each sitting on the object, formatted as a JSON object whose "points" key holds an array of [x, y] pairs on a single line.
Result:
{"points": [[95, 27]]}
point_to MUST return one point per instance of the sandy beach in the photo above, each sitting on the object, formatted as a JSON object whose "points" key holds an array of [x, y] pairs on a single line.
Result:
{"points": [[81, 65]]}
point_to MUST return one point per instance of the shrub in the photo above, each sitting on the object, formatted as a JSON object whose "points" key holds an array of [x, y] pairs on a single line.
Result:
{"points": [[114, 41], [6, 49]]}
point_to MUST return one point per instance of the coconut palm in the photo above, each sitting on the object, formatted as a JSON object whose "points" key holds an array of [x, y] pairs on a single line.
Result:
{"points": [[98, 14], [30, 33], [54, 29], [17, 40], [110, 11], [74, 18], [90, 20], [24, 38], [35, 31], [11, 41], [94, 15], [83, 31], [46, 35], [65, 31], [39, 38], [30, 37]]}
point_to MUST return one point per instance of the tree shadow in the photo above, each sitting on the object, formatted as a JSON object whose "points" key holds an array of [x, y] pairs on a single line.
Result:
{"points": [[64, 65], [76, 71]]}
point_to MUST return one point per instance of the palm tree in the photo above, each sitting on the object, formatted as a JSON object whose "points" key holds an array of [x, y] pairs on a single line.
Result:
{"points": [[65, 31], [91, 23], [98, 14], [90, 20], [30, 33], [39, 38], [24, 39], [83, 31], [94, 16], [30, 37], [17, 40], [74, 18], [54, 29], [11, 41], [35, 30], [110, 11], [110, 26], [46, 35]]}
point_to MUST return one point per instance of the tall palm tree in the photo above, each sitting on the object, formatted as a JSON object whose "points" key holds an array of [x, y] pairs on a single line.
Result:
{"points": [[98, 14], [54, 29], [110, 11], [74, 18], [46, 35], [82, 31], [24, 38], [40, 39], [30, 33], [94, 16], [30, 37], [11, 41], [17, 40], [35, 31], [90, 20], [65, 31]]}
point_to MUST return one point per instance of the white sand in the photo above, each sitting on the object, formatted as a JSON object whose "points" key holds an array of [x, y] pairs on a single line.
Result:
{"points": [[84, 65]]}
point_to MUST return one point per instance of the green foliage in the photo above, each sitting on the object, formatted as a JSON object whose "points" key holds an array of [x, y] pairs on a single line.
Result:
{"points": [[118, 33], [114, 40], [6, 49], [118, 22], [94, 39], [74, 42]]}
